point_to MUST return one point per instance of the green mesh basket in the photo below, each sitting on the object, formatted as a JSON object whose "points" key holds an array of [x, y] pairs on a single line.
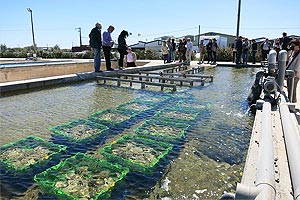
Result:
{"points": [[29, 152], [81, 177], [164, 130], [137, 153], [112, 116], [177, 114], [79, 130]]}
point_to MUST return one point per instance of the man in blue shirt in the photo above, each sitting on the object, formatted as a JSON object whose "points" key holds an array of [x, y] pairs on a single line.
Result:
{"points": [[107, 43], [95, 44]]}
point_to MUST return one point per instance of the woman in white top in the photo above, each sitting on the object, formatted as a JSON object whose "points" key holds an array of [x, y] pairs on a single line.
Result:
{"points": [[130, 58]]}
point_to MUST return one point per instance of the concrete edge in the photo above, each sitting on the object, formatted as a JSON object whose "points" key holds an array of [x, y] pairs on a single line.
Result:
{"points": [[56, 80]]}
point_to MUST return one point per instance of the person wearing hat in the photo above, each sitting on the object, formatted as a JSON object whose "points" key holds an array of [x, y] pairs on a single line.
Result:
{"points": [[294, 64], [130, 58]]}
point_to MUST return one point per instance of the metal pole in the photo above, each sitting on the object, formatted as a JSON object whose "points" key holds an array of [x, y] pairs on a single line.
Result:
{"points": [[199, 45], [238, 20], [199, 36], [80, 40], [32, 30]]}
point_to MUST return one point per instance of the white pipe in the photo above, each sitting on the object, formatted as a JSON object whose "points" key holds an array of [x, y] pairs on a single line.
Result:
{"points": [[292, 143], [281, 69], [265, 182]]}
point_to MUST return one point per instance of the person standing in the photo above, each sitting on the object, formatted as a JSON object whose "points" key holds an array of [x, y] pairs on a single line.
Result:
{"points": [[265, 48], [214, 51], [107, 44], [201, 52], [164, 51], [173, 50], [169, 45], [253, 51], [181, 50], [245, 51], [284, 41], [277, 47], [189, 50], [95, 44], [208, 49], [122, 47], [130, 58], [239, 50], [294, 64], [233, 48]]}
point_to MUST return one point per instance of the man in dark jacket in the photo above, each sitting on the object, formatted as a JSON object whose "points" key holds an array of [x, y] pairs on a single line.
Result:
{"points": [[95, 44]]}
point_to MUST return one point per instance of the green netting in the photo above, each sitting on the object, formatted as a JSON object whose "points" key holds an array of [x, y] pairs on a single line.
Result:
{"points": [[112, 116], [165, 130], [137, 153], [135, 107], [29, 152], [191, 105], [177, 114], [81, 177], [79, 130], [154, 99]]}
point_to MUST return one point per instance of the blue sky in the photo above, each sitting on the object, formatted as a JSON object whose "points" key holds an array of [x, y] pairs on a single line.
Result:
{"points": [[55, 20]]}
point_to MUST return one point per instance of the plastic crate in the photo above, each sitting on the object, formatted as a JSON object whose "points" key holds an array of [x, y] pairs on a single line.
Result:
{"points": [[164, 130], [177, 114], [81, 177], [137, 153], [112, 116], [79, 130], [29, 152]]}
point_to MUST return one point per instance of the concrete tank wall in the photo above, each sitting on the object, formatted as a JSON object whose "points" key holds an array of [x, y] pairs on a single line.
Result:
{"points": [[19, 73]]}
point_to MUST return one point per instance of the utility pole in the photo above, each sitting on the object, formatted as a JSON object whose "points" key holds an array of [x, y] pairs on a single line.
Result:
{"points": [[238, 20], [32, 30], [199, 36], [80, 40]]}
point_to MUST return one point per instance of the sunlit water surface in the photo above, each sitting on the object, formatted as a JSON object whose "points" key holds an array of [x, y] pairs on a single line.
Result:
{"points": [[208, 162]]}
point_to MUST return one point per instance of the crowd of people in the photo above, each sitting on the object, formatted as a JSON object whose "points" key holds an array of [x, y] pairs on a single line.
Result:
{"points": [[185, 50], [241, 48], [99, 41]]}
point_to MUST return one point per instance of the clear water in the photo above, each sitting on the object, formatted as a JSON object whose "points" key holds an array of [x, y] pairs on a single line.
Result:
{"points": [[206, 163]]}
